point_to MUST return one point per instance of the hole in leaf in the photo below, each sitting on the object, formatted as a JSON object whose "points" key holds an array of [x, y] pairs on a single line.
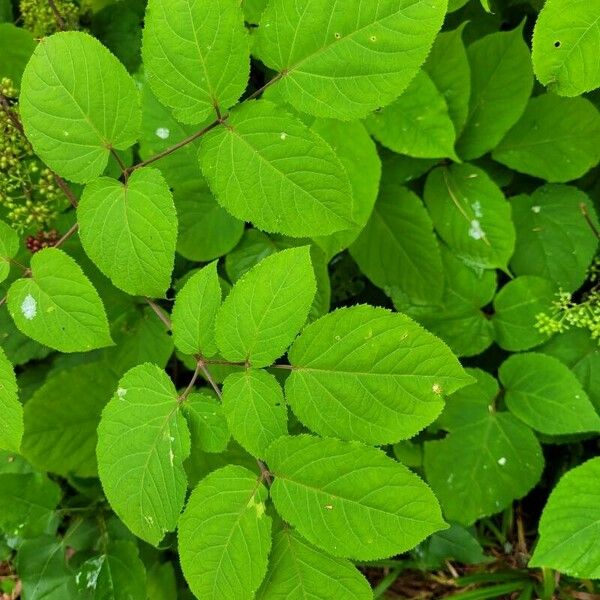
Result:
{"points": [[557, 44]]}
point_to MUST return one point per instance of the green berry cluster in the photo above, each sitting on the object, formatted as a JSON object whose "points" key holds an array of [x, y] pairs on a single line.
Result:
{"points": [[40, 19], [28, 193], [567, 314]]}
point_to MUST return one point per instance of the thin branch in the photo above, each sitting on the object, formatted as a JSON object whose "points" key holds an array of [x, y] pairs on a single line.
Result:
{"points": [[11, 114], [210, 379], [190, 386], [59, 20], [259, 91], [586, 216], [288, 367], [66, 190], [121, 164], [159, 313], [67, 235]]}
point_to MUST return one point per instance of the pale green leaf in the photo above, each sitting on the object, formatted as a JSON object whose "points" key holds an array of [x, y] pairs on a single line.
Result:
{"points": [[62, 417], [9, 246], [417, 123], [516, 307], [471, 215], [343, 59], [194, 312], [267, 167], [207, 423], [566, 44], [143, 440], [570, 524], [369, 374], [553, 239], [225, 535], [448, 67], [58, 306], [397, 248], [502, 80], [481, 467], [255, 409], [129, 230], [11, 423], [77, 102], [196, 55], [299, 571], [266, 308], [545, 395], [350, 500], [555, 139]]}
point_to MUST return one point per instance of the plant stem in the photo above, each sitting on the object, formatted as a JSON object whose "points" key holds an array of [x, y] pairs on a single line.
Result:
{"points": [[190, 386], [59, 20], [159, 313], [67, 235]]}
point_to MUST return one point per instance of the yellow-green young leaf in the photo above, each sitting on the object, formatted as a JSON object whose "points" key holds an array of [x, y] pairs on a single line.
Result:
{"points": [[398, 249], [116, 574], [267, 167], [194, 312], [471, 215], [298, 570], [77, 102], [502, 80], [129, 230], [417, 123], [255, 409], [143, 440], [481, 467], [566, 44], [11, 424], [517, 306], [58, 306], [448, 67], [207, 423], [369, 374], [9, 246], [553, 238], [266, 308], [196, 55], [344, 58], [555, 139], [570, 524], [62, 417], [350, 500], [545, 395], [225, 535]]}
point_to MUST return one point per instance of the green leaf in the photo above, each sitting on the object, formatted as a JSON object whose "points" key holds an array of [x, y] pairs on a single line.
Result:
{"points": [[206, 230], [545, 395], [207, 423], [481, 467], [61, 419], [16, 47], [27, 504], [455, 543], [225, 535], [516, 307], [11, 424], [267, 167], [350, 500], [58, 306], [196, 55], [142, 443], [253, 9], [471, 215], [397, 248], [553, 140], [194, 312], [255, 409], [570, 524], [566, 42], [266, 308], [369, 374], [417, 123], [553, 239], [502, 80], [298, 570], [344, 63], [9, 246], [129, 230], [71, 119], [448, 67], [117, 574]]}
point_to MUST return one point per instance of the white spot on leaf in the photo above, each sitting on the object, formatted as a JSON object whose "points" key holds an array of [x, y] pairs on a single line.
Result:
{"points": [[121, 393], [283, 135], [163, 133], [29, 307], [502, 461], [476, 206], [536, 209], [475, 230]]}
